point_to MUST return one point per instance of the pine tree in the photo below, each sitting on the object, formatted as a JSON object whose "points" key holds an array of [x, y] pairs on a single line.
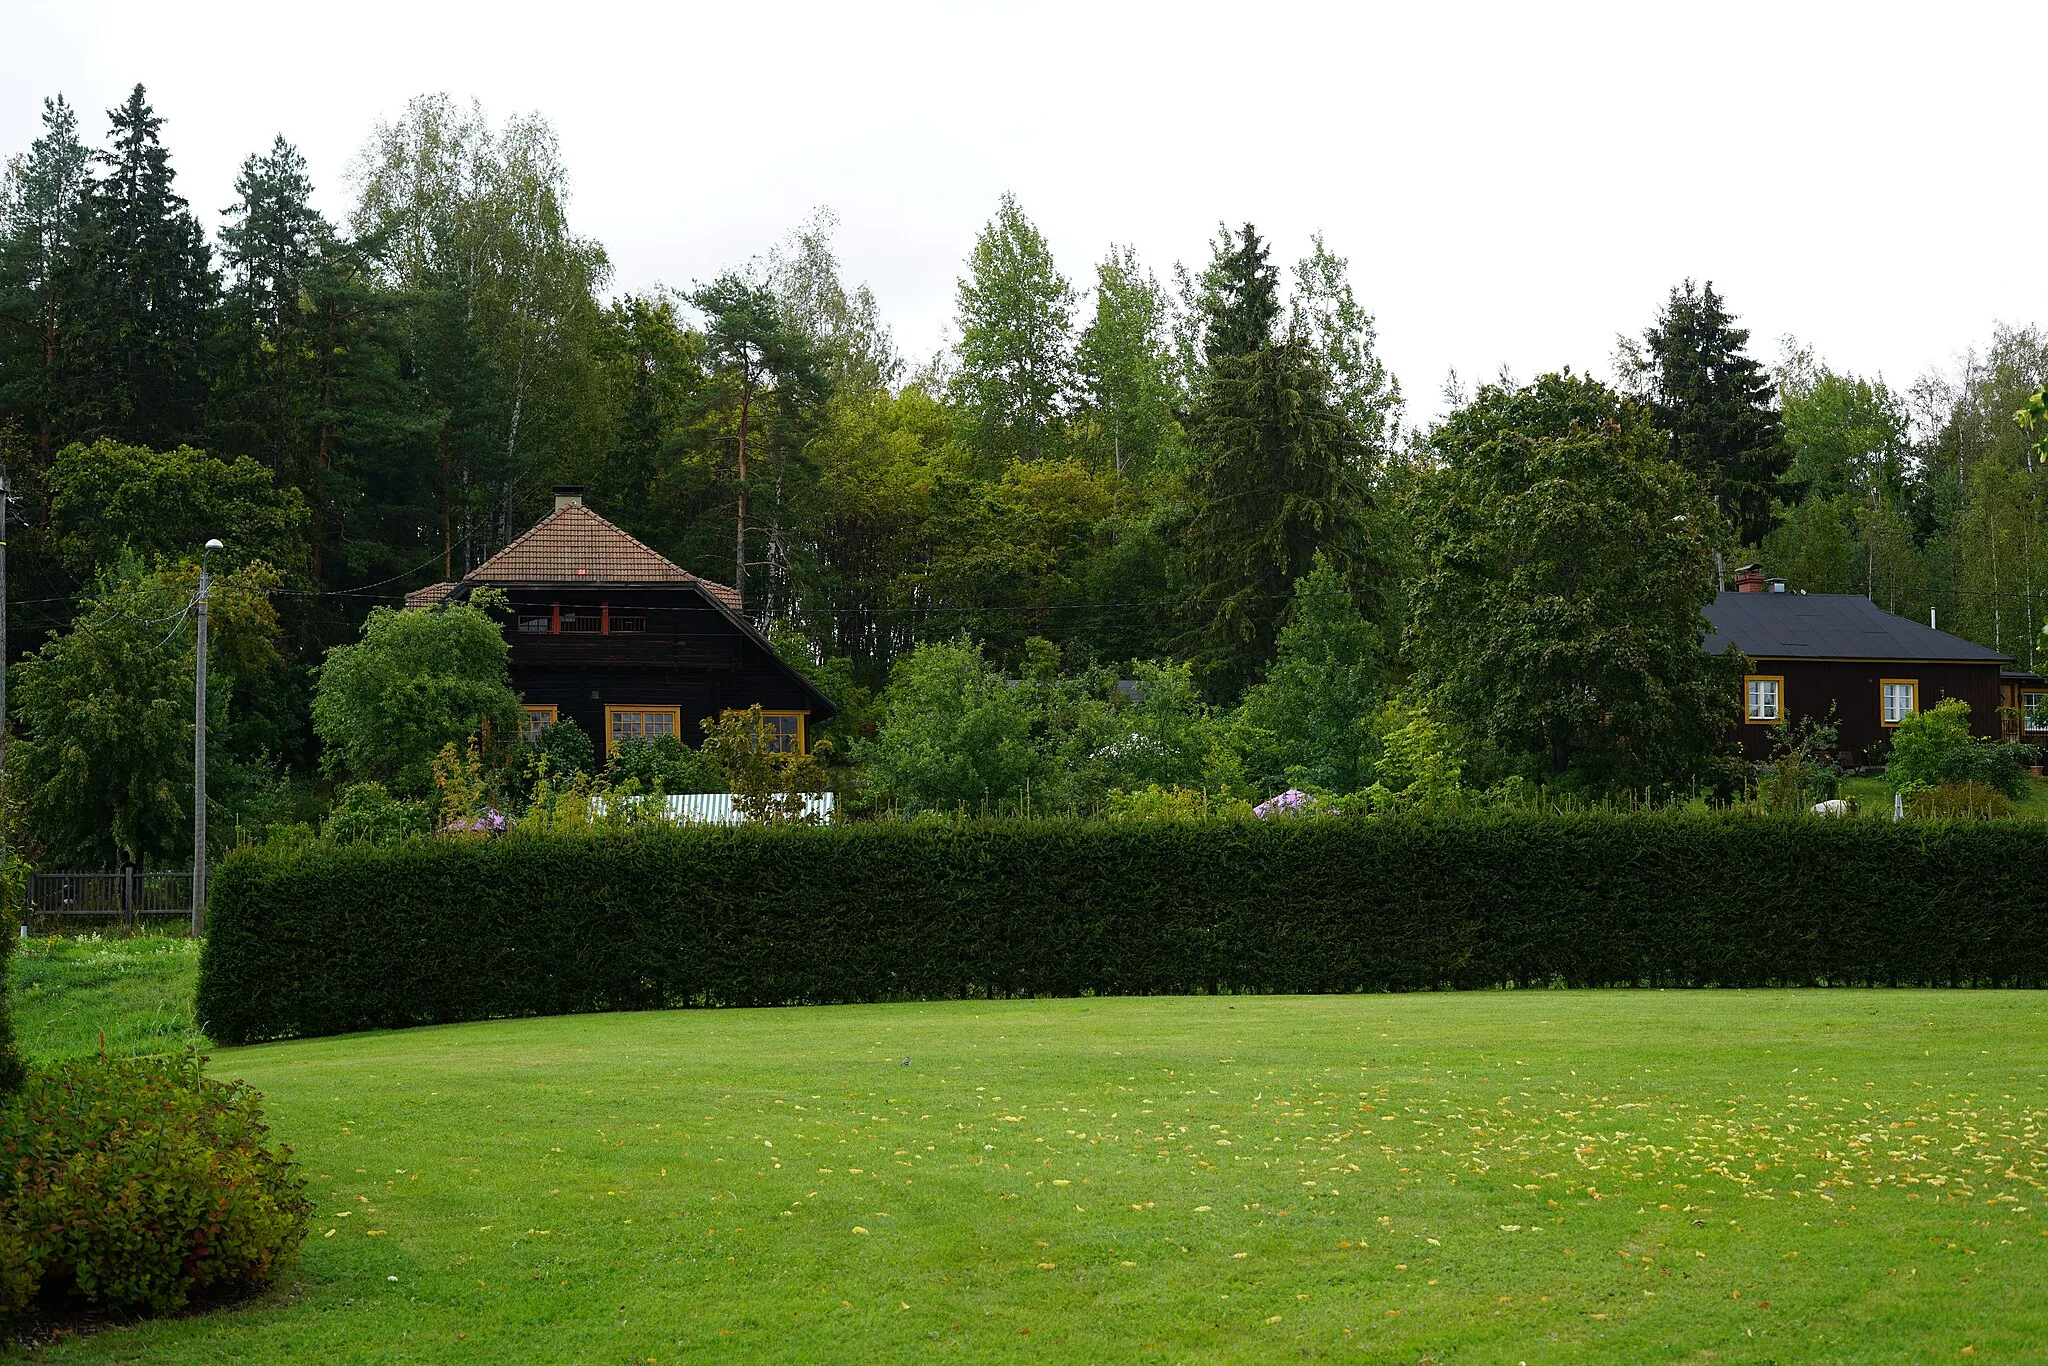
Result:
{"points": [[138, 342], [271, 245], [41, 201], [1280, 472], [1716, 402], [772, 378], [1015, 352]]}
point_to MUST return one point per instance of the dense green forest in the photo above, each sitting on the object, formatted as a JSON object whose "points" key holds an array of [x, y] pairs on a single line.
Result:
{"points": [[1176, 464]]}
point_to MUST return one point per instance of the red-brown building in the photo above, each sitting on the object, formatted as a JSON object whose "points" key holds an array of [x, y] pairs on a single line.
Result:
{"points": [[1840, 656], [608, 633]]}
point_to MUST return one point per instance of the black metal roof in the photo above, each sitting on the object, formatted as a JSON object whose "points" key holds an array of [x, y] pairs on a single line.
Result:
{"points": [[1829, 626]]}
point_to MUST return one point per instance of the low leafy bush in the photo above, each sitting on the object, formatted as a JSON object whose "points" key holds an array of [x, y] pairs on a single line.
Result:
{"points": [[662, 763], [1935, 748], [1953, 800], [325, 939], [136, 1184], [367, 814]]}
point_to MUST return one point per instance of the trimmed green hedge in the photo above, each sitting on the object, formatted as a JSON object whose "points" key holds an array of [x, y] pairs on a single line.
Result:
{"points": [[323, 939]]}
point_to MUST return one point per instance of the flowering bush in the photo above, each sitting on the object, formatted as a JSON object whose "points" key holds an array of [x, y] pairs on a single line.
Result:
{"points": [[1293, 802]]}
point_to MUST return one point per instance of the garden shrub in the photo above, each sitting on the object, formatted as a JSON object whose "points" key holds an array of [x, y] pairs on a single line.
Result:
{"points": [[367, 814], [567, 747], [1935, 747], [135, 1184], [325, 939], [1952, 800], [661, 763]]}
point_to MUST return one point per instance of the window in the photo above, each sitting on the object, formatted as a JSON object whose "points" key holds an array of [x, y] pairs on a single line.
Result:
{"points": [[1765, 695], [641, 723], [535, 624], [1901, 698], [2034, 712], [783, 731], [582, 621], [537, 720]]}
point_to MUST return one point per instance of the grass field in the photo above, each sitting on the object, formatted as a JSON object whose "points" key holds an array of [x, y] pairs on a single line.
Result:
{"points": [[67, 993], [1535, 1176]]}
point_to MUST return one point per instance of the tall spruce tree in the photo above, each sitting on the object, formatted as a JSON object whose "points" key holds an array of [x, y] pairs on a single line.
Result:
{"points": [[1015, 357], [41, 201], [138, 341], [1717, 404], [1280, 472], [271, 245]]}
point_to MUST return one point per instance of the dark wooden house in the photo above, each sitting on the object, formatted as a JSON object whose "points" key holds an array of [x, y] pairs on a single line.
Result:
{"points": [[609, 634], [1817, 654]]}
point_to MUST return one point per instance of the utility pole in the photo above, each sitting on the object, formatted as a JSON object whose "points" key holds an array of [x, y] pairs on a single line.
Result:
{"points": [[199, 756]]}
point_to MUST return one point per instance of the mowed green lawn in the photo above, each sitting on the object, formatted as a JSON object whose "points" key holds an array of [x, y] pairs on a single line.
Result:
{"points": [[1532, 1176]]}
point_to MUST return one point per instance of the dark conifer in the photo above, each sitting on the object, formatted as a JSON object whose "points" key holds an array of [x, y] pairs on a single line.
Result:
{"points": [[1281, 473], [1718, 405], [137, 349]]}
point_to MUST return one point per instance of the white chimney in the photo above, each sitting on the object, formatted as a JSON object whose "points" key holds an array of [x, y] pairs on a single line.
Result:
{"points": [[568, 496]]}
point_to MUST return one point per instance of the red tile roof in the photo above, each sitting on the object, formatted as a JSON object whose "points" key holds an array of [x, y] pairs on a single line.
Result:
{"points": [[428, 596], [574, 545]]}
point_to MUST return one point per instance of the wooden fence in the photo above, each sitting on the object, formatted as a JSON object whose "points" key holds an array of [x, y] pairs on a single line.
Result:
{"points": [[127, 897]]}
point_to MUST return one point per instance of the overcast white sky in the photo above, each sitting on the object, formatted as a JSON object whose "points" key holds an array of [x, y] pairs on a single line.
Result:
{"points": [[1514, 184]]}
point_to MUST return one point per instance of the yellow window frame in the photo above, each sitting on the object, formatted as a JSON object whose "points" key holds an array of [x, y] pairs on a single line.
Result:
{"points": [[1884, 683], [611, 734], [802, 725], [1777, 720], [539, 716]]}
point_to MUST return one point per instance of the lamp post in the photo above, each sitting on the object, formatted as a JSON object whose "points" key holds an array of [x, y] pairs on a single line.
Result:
{"points": [[199, 755]]}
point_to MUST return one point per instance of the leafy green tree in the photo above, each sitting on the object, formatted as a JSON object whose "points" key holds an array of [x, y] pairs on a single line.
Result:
{"points": [[1308, 722], [416, 682], [844, 325], [955, 734], [1280, 473], [166, 504], [1565, 560], [105, 767], [1154, 731], [42, 202], [138, 339], [1845, 434], [501, 323], [1124, 365], [1716, 403], [1014, 368], [1327, 314]]}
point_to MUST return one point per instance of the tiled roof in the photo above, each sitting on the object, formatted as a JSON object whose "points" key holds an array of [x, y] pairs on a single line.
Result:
{"points": [[575, 545], [1829, 626], [428, 596]]}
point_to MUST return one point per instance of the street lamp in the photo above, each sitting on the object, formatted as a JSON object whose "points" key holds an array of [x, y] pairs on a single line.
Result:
{"points": [[199, 753]]}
